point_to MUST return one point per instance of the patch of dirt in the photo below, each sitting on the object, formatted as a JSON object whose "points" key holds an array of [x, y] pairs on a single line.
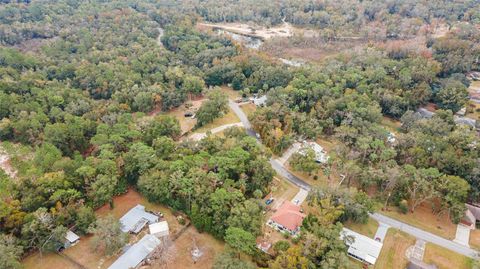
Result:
{"points": [[6, 165]]}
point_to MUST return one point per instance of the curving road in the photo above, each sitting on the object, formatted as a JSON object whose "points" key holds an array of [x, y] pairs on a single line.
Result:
{"points": [[416, 232]]}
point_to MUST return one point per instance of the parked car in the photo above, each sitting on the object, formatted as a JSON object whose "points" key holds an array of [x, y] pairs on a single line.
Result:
{"points": [[269, 201]]}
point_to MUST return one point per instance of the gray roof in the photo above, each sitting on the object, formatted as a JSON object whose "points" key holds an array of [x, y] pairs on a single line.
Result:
{"points": [[362, 247], [136, 253], [465, 121], [71, 236], [424, 113], [136, 218]]}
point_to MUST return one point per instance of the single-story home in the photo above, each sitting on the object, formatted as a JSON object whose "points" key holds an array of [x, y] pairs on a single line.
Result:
{"points": [[137, 254], [136, 218], [71, 239], [287, 218], [259, 100], [320, 154], [360, 247], [159, 229]]}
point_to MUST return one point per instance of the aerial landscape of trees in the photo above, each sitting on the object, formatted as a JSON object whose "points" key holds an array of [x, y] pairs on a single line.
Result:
{"points": [[86, 87]]}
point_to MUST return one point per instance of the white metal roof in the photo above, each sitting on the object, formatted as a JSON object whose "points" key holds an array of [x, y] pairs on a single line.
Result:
{"points": [[362, 247], [159, 227], [136, 253], [71, 236], [320, 154], [136, 218]]}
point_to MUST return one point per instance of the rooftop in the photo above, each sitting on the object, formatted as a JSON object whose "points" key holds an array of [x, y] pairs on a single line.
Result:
{"points": [[136, 253], [159, 227], [289, 216], [362, 247], [136, 218]]}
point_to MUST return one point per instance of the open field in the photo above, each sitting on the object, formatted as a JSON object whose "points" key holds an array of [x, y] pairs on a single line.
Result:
{"points": [[84, 254], [445, 259], [392, 255], [368, 229], [424, 219]]}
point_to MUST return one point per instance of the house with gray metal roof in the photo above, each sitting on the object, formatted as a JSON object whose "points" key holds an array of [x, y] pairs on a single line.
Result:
{"points": [[137, 254], [136, 218], [360, 247]]}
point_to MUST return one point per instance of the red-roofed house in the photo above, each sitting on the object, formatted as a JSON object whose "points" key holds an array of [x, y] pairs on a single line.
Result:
{"points": [[288, 218]]}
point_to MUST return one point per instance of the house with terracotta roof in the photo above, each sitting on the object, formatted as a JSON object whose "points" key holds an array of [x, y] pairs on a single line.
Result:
{"points": [[287, 218]]}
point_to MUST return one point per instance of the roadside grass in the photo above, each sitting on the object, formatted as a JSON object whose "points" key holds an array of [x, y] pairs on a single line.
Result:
{"points": [[393, 255], [475, 239], [446, 259], [227, 118], [368, 229], [424, 219]]}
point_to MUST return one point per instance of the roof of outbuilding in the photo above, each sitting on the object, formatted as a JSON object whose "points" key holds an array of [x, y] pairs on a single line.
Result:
{"points": [[159, 227], [71, 236]]}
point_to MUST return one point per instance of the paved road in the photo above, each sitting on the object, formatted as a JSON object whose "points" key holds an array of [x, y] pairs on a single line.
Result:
{"points": [[276, 165], [426, 236], [420, 234]]}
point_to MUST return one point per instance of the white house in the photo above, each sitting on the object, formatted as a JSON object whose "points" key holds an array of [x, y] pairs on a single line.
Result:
{"points": [[360, 247], [159, 229], [320, 154]]}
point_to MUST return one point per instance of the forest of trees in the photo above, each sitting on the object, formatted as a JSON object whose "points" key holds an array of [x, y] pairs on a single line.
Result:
{"points": [[79, 82]]}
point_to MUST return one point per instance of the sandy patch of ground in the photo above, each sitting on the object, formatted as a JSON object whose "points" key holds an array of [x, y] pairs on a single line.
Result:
{"points": [[284, 30], [6, 165]]}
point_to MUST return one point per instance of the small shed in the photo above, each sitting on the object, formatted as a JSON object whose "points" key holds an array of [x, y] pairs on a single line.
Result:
{"points": [[159, 229], [71, 239], [136, 218]]}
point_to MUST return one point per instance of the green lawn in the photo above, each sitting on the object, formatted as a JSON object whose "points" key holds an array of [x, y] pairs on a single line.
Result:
{"points": [[446, 259], [392, 255], [368, 229]]}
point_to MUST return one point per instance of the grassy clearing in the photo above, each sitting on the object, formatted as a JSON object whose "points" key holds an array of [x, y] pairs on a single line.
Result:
{"points": [[231, 93], [368, 229], [393, 251], [249, 108], [20, 157], [228, 118], [424, 219], [391, 124], [445, 259]]}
